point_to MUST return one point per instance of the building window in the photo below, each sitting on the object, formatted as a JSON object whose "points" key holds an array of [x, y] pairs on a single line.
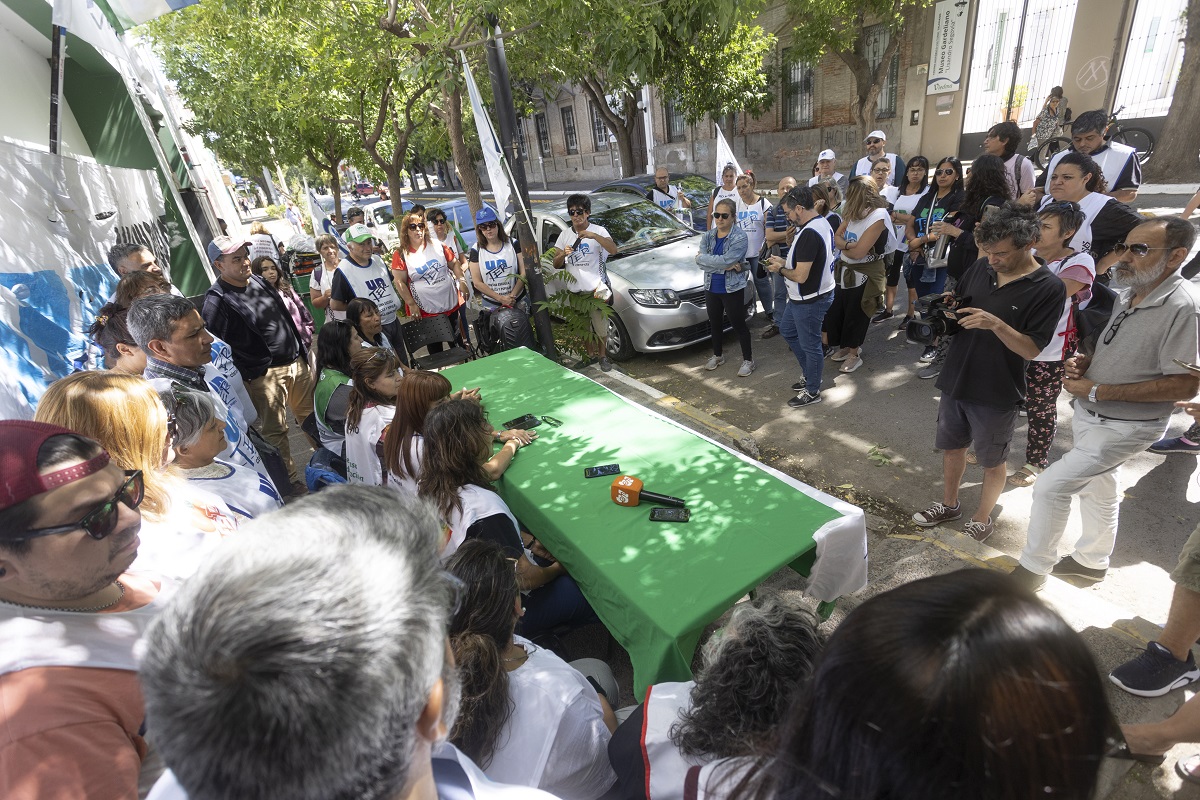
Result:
{"points": [[543, 132], [568, 120], [676, 126], [521, 141], [599, 129], [878, 37], [797, 91]]}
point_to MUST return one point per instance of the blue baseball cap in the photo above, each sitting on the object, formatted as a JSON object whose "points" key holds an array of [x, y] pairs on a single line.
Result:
{"points": [[485, 214]]}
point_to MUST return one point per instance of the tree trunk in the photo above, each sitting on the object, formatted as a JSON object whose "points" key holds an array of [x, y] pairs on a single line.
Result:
{"points": [[393, 179], [335, 189], [620, 127], [462, 155], [1174, 159]]}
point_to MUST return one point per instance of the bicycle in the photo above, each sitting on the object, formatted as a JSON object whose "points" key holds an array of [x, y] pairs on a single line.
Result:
{"points": [[1140, 139]]}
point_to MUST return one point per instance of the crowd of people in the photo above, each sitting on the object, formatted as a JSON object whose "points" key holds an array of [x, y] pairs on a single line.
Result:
{"points": [[173, 630]]}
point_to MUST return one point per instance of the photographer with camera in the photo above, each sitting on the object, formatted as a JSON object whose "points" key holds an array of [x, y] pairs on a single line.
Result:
{"points": [[1006, 308]]}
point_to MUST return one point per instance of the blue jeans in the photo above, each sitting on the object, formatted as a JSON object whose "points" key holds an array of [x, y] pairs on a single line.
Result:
{"points": [[913, 274], [762, 287], [801, 329], [779, 284]]}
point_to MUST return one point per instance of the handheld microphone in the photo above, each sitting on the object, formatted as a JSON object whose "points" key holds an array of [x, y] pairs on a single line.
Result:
{"points": [[627, 491]]}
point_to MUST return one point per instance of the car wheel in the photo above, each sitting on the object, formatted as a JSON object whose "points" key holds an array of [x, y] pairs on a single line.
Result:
{"points": [[619, 347]]}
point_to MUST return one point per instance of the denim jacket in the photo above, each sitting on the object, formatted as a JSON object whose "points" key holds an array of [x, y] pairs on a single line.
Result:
{"points": [[735, 251]]}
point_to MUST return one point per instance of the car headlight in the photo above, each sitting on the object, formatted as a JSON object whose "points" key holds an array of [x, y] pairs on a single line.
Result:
{"points": [[655, 298]]}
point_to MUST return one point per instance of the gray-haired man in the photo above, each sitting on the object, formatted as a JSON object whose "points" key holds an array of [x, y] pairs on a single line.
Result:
{"points": [[308, 660]]}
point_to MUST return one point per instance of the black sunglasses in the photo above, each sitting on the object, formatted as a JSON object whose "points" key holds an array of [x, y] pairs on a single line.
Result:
{"points": [[101, 521], [415, 226], [874, 141], [489, 224], [1140, 250], [576, 212], [1111, 333], [721, 215], [439, 221]]}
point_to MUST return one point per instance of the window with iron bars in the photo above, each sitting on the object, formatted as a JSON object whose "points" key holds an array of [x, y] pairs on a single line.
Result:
{"points": [[877, 38], [568, 122], [798, 96], [676, 125], [599, 129], [521, 141], [543, 133]]}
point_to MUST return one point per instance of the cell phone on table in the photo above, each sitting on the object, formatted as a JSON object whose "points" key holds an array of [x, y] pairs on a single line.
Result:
{"points": [[599, 472], [522, 423], [670, 515]]}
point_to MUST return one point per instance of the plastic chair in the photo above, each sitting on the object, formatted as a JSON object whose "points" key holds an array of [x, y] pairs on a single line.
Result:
{"points": [[420, 333]]}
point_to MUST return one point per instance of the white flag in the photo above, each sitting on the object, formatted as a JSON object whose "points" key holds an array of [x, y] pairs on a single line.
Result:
{"points": [[725, 156], [492, 152]]}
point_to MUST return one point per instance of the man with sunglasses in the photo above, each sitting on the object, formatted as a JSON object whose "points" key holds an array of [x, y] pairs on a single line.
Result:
{"points": [[1124, 396], [583, 249], [71, 617], [876, 143]]}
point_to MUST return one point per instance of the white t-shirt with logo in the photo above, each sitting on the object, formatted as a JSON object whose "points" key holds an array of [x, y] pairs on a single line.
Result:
{"points": [[374, 281], [752, 220], [430, 280], [499, 270], [586, 263], [362, 457]]}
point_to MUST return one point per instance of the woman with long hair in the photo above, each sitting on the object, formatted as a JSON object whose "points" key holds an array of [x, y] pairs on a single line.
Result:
{"points": [[496, 271], [752, 211], [943, 198], [526, 716], [331, 395], [916, 184], [126, 416], [375, 372], [458, 441], [960, 685], [364, 319], [427, 274], [110, 332], [269, 270], [863, 239], [404, 442], [1077, 178], [988, 187]]}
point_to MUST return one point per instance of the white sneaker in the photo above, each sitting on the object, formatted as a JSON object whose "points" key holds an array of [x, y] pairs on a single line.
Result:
{"points": [[746, 368], [714, 362], [850, 364]]}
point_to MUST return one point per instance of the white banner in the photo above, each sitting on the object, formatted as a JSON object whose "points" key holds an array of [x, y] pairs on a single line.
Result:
{"points": [[493, 155], [725, 156], [946, 56], [58, 217]]}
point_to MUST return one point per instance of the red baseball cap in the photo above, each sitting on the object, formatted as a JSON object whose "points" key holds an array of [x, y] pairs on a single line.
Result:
{"points": [[20, 441]]}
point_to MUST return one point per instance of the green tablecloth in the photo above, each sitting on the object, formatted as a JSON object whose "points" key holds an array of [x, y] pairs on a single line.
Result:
{"points": [[654, 585]]}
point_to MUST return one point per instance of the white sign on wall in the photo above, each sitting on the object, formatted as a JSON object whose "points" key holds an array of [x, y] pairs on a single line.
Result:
{"points": [[946, 55]]}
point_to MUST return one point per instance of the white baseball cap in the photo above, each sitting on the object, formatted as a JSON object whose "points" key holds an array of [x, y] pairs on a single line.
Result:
{"points": [[826, 155], [876, 135]]}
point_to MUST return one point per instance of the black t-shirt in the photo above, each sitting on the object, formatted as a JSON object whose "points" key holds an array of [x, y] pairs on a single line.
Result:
{"points": [[270, 317], [498, 528], [1111, 225], [809, 247], [964, 251], [979, 367], [930, 206]]}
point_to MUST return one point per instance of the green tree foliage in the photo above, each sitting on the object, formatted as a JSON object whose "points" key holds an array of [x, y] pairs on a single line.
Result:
{"points": [[720, 79], [838, 27]]}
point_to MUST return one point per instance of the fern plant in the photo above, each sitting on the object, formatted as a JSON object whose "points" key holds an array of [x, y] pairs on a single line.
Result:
{"points": [[574, 309]]}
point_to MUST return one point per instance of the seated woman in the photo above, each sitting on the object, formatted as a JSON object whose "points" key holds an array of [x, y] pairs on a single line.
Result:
{"points": [[331, 395], [962, 685], [363, 316], [110, 332], [458, 440], [199, 439], [375, 372], [180, 522], [404, 442], [527, 717], [764, 651]]}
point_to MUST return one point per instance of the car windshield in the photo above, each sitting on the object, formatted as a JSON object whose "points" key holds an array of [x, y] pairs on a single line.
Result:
{"points": [[639, 225], [698, 189], [383, 215]]}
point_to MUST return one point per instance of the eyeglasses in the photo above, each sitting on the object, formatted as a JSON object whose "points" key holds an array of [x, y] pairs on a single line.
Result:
{"points": [[101, 521], [553, 422], [1140, 250], [1111, 333], [1062, 205], [944, 172], [484, 225], [439, 221], [721, 215], [415, 226], [874, 141], [576, 212], [881, 170]]}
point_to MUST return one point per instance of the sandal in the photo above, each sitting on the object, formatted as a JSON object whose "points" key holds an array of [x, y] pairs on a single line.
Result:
{"points": [[1025, 476], [1188, 768]]}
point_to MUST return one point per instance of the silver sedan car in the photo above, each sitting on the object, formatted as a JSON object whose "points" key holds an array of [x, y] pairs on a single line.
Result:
{"points": [[658, 290]]}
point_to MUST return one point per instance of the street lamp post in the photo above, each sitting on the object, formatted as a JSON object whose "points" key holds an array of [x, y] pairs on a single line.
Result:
{"points": [[507, 117]]}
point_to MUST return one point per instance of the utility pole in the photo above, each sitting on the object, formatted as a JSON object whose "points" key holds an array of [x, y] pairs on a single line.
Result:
{"points": [[507, 117]]}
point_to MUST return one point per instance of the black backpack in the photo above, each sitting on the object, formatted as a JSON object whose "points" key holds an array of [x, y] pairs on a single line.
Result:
{"points": [[1090, 321]]}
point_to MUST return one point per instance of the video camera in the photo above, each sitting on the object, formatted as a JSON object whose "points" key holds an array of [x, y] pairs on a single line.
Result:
{"points": [[936, 317]]}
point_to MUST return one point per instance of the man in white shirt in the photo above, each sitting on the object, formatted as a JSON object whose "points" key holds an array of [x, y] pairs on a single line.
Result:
{"points": [[664, 195], [1117, 161], [876, 143], [583, 249], [827, 172], [332, 679]]}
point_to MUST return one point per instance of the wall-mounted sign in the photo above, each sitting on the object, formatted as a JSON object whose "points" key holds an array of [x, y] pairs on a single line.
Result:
{"points": [[946, 55]]}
